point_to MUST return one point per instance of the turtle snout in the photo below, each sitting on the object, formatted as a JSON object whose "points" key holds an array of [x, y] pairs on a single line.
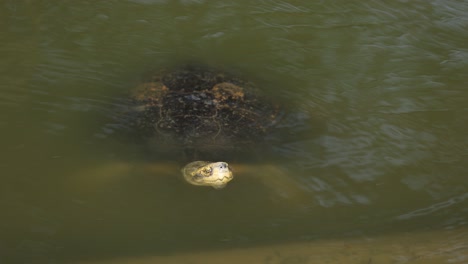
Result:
{"points": [[220, 176], [222, 170], [223, 165]]}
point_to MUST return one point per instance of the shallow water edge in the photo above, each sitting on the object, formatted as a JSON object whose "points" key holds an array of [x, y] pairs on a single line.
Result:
{"points": [[430, 247]]}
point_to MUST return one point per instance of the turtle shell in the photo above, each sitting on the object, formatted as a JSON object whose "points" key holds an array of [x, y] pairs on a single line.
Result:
{"points": [[203, 110]]}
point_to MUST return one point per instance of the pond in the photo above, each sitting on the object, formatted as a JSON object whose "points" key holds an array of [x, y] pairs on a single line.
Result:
{"points": [[377, 146]]}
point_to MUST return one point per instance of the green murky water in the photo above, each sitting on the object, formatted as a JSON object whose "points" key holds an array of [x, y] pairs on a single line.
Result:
{"points": [[386, 79]]}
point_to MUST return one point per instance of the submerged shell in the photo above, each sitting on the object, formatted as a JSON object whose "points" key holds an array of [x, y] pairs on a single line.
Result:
{"points": [[202, 109]]}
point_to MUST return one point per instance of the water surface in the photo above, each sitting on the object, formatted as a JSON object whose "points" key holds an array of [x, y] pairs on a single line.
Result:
{"points": [[378, 145]]}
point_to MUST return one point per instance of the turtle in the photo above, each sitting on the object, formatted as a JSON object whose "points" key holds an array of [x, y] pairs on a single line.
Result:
{"points": [[206, 116], [206, 123]]}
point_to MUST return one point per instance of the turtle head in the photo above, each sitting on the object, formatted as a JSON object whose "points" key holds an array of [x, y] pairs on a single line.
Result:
{"points": [[206, 173]]}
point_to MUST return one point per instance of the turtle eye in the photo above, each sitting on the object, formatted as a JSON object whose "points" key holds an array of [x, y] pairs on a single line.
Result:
{"points": [[207, 171]]}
